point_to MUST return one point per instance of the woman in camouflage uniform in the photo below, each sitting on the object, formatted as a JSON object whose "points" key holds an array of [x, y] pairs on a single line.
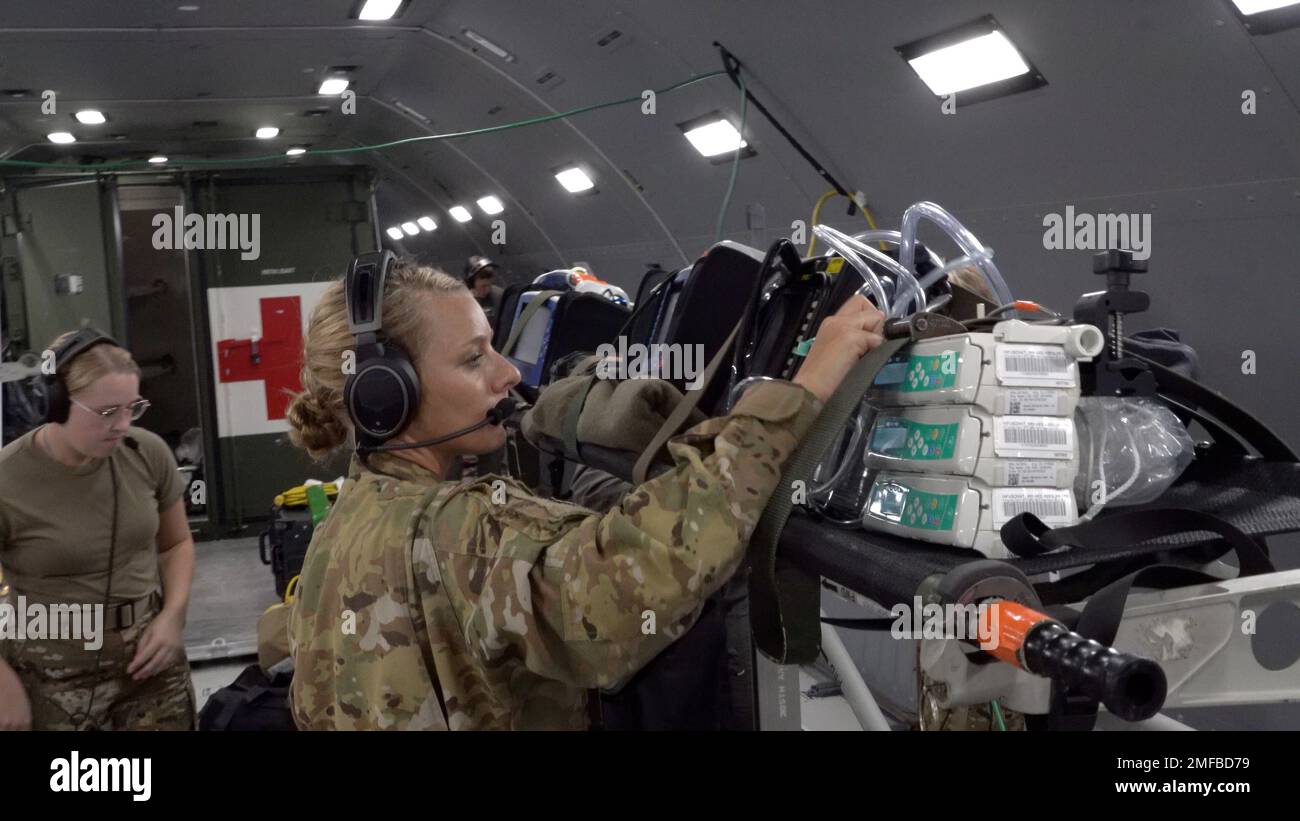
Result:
{"points": [[91, 508], [429, 604]]}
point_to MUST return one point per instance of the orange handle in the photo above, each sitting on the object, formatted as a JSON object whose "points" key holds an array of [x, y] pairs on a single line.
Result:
{"points": [[1014, 622]]}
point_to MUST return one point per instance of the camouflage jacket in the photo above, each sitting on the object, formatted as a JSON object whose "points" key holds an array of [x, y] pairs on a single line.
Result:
{"points": [[477, 605]]}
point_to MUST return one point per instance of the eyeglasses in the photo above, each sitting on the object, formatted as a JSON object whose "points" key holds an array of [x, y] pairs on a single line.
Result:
{"points": [[135, 410]]}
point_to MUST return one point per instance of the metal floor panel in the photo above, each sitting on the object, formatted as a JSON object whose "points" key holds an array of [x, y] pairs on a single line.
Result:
{"points": [[232, 588]]}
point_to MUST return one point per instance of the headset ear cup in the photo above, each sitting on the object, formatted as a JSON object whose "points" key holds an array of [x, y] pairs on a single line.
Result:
{"points": [[55, 395], [383, 395]]}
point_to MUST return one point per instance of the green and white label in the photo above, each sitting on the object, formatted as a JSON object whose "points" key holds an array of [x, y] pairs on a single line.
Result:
{"points": [[902, 505], [914, 374], [901, 438]]}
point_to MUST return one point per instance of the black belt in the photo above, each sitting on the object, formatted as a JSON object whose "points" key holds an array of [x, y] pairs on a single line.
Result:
{"points": [[121, 615]]}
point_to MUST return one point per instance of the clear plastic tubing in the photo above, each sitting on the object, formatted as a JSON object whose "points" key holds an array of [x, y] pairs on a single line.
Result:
{"points": [[895, 238], [828, 235], [903, 277], [976, 258], [965, 240]]}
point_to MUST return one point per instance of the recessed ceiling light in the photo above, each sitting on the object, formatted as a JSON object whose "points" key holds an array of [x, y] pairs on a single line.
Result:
{"points": [[89, 116], [296, 150], [491, 205], [460, 213], [976, 61], [427, 223], [379, 9], [395, 233], [267, 132], [1267, 16], [410, 228], [61, 137], [488, 44], [159, 160], [333, 85], [574, 180], [187, 8], [1256, 6], [715, 137]]}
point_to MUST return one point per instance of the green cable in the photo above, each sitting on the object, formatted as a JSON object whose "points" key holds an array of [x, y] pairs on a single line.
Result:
{"points": [[735, 162], [378, 146], [997, 713]]}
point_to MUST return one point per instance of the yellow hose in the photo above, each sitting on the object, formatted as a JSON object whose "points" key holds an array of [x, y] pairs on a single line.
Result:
{"points": [[817, 209]]}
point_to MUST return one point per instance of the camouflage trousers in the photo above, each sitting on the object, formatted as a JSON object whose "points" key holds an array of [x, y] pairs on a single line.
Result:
{"points": [[68, 692]]}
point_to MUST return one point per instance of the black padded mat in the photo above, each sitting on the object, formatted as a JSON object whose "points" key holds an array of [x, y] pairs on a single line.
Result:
{"points": [[1260, 498]]}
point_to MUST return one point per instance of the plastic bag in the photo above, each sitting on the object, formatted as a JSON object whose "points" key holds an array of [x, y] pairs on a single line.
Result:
{"points": [[1130, 451]]}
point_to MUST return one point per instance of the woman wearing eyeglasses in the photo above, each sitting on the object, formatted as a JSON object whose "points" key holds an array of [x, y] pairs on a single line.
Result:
{"points": [[91, 512]]}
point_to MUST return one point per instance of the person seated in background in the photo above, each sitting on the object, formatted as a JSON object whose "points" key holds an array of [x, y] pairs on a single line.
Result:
{"points": [[480, 278]]}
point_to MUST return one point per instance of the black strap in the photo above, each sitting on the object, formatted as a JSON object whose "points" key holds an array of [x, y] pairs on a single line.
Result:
{"points": [[1027, 536], [1100, 621], [1254, 432], [861, 624]]}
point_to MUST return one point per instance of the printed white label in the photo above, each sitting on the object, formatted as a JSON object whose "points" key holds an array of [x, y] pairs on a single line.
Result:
{"points": [[1037, 365], [1045, 436], [1034, 401], [1031, 473], [1054, 507]]}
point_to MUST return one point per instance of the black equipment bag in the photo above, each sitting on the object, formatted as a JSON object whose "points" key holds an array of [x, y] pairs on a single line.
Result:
{"points": [[650, 295], [706, 305], [252, 703], [283, 545]]}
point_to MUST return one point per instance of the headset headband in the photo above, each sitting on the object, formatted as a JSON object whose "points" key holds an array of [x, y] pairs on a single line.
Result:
{"points": [[364, 291], [81, 341]]}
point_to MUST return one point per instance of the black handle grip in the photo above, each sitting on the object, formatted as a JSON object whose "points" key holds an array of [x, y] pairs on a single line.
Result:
{"points": [[1132, 688]]}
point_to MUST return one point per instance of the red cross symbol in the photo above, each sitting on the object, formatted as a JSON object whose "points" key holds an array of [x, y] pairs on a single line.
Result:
{"points": [[276, 359]]}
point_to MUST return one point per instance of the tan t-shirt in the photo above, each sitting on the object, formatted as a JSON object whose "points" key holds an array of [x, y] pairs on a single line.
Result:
{"points": [[55, 520]]}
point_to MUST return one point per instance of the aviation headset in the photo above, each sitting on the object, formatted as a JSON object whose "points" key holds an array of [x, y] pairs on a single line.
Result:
{"points": [[58, 404], [382, 394]]}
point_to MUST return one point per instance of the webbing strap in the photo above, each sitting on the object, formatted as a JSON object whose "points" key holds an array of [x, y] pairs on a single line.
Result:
{"points": [[522, 322], [783, 609], [1100, 621], [683, 410], [1027, 536], [571, 416]]}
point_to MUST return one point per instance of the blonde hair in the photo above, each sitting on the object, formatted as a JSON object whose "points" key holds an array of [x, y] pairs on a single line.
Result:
{"points": [[92, 363], [970, 278], [318, 420]]}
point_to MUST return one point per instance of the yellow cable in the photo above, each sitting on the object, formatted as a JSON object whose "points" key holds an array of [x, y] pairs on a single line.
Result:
{"points": [[817, 209]]}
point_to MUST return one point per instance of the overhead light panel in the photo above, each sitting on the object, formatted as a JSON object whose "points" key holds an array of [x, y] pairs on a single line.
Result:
{"points": [[1267, 16], [61, 137], [331, 86], [1257, 6], [159, 160], [295, 151], [379, 9], [90, 116], [460, 213], [977, 61], [714, 136], [267, 132], [410, 228], [487, 44], [491, 205], [427, 223], [395, 232], [574, 180]]}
